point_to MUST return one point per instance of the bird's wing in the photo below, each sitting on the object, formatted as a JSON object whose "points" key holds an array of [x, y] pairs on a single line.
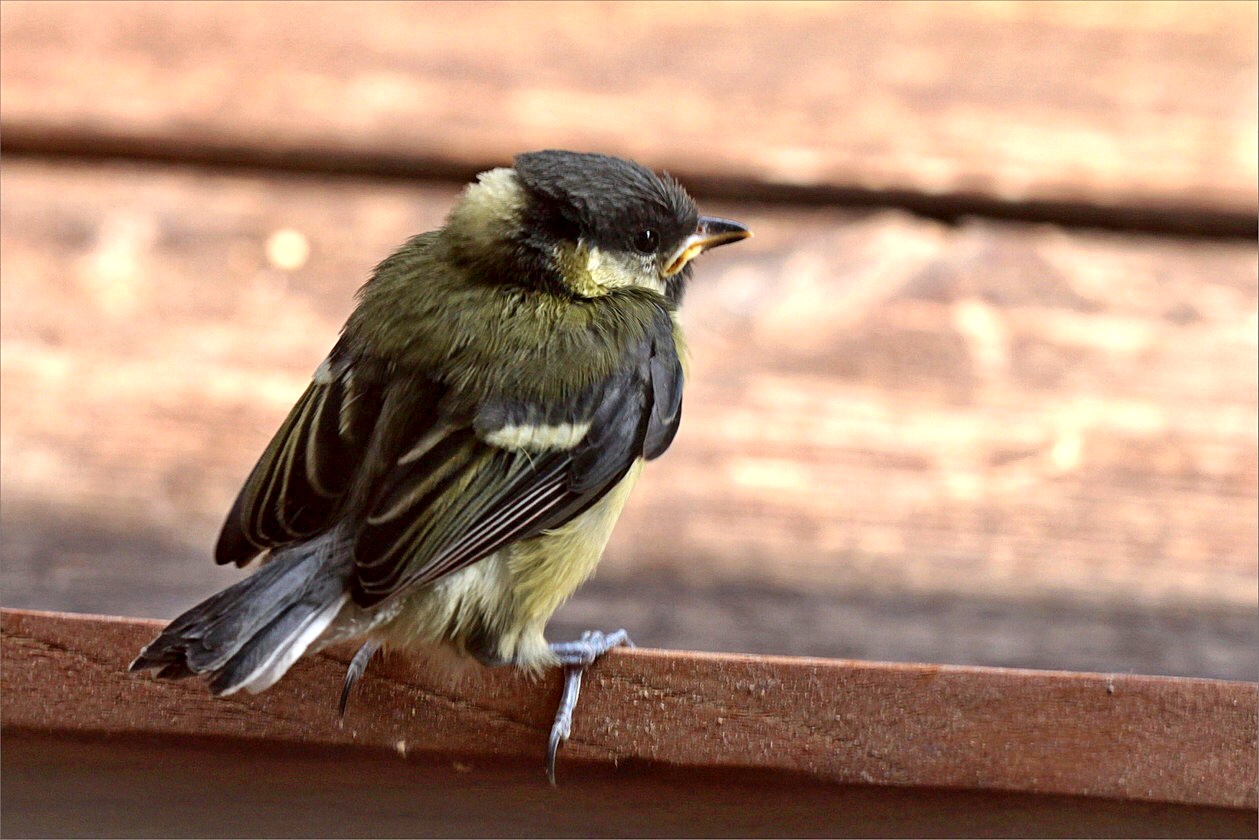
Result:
{"points": [[299, 485], [492, 473]]}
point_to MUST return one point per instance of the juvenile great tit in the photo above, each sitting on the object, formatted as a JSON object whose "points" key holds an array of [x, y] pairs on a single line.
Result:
{"points": [[455, 467]]}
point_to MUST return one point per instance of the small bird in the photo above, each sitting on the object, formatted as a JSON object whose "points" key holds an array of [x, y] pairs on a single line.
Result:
{"points": [[456, 465]]}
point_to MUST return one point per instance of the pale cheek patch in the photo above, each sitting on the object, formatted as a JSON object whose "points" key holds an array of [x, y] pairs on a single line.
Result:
{"points": [[607, 271], [594, 260], [541, 438]]}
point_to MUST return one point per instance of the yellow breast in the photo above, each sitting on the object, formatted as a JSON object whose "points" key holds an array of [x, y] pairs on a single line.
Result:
{"points": [[547, 569]]}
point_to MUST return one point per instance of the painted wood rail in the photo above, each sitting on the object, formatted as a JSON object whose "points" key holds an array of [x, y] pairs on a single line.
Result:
{"points": [[1145, 741]]}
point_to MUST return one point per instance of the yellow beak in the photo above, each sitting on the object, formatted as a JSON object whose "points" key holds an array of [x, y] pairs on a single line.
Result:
{"points": [[710, 233]]}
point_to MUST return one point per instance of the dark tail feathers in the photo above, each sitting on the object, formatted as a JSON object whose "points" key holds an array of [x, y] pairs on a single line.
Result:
{"points": [[248, 635]]}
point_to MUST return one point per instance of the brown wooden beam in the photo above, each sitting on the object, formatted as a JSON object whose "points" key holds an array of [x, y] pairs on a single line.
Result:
{"points": [[1124, 107], [888, 419], [1133, 738], [1014, 393]]}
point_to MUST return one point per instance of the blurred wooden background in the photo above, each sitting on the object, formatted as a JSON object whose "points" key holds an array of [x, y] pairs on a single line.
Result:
{"points": [[982, 390]]}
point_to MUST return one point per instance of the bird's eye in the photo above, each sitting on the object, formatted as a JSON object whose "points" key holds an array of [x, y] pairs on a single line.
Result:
{"points": [[647, 241]]}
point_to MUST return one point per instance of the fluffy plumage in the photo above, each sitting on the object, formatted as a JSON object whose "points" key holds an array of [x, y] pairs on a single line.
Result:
{"points": [[455, 467]]}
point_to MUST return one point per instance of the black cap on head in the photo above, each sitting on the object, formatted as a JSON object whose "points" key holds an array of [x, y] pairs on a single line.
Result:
{"points": [[607, 200]]}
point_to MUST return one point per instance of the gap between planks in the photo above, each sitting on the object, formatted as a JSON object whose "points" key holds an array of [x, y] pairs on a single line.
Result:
{"points": [[1182, 220]]}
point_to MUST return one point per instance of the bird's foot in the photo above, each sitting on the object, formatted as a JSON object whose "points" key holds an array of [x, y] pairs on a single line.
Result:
{"points": [[575, 657]]}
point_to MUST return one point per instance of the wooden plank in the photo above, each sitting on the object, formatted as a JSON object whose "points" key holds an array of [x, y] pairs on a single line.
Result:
{"points": [[1142, 739], [1121, 106], [1048, 419]]}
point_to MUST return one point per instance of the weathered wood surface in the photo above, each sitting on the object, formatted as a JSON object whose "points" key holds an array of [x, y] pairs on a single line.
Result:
{"points": [[993, 444], [1126, 106], [1144, 739]]}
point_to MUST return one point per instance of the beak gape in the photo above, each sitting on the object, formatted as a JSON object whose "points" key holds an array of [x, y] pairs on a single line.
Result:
{"points": [[710, 233]]}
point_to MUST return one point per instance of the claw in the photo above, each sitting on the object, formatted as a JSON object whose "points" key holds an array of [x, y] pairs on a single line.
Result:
{"points": [[357, 666], [576, 657], [563, 725]]}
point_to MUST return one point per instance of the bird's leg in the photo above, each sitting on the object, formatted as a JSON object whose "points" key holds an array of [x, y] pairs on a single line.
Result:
{"points": [[357, 666], [575, 657]]}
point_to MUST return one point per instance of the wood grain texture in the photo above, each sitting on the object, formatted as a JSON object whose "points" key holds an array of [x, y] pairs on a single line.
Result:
{"points": [[1144, 739], [881, 409], [1133, 105]]}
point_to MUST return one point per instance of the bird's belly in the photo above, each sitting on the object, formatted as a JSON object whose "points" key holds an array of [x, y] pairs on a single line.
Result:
{"points": [[498, 607], [547, 569]]}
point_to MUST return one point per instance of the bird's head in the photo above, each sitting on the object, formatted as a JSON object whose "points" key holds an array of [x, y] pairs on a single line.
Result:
{"points": [[585, 224]]}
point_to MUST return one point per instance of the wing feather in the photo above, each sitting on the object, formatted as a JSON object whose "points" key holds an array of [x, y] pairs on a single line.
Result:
{"points": [[455, 501], [299, 485], [427, 480]]}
